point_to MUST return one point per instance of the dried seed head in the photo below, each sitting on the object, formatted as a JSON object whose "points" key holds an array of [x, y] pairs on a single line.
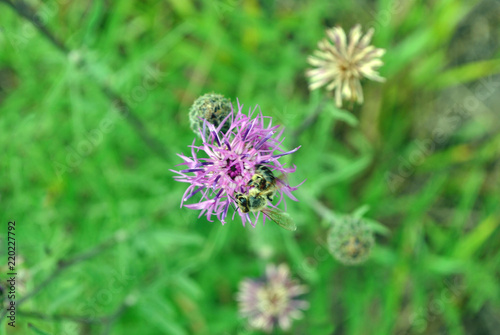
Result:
{"points": [[342, 61], [350, 240], [211, 107]]}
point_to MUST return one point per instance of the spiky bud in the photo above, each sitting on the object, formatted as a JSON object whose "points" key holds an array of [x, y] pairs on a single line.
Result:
{"points": [[211, 107], [350, 240]]}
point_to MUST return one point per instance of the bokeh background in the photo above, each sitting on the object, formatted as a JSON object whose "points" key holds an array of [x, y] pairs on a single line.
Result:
{"points": [[99, 230]]}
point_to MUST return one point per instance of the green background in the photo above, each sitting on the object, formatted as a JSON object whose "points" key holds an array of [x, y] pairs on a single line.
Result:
{"points": [[84, 183]]}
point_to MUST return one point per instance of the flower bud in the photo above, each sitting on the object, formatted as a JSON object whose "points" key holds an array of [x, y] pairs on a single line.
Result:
{"points": [[350, 240], [211, 107]]}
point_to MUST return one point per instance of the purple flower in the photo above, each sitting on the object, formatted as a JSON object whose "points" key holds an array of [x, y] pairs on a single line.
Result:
{"points": [[226, 161], [272, 301]]}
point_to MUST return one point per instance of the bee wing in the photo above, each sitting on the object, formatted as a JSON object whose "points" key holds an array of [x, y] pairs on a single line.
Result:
{"points": [[282, 219], [280, 181]]}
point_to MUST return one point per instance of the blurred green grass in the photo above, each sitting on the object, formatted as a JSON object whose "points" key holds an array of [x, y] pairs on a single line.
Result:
{"points": [[435, 272]]}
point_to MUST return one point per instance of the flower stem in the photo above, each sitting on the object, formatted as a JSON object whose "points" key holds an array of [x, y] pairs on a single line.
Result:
{"points": [[308, 122]]}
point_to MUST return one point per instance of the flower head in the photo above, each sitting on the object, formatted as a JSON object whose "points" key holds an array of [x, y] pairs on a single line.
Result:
{"points": [[342, 64], [272, 301], [225, 162], [350, 240], [211, 107]]}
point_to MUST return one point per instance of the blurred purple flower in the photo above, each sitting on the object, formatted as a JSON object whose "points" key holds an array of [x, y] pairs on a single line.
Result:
{"points": [[228, 163], [272, 301]]}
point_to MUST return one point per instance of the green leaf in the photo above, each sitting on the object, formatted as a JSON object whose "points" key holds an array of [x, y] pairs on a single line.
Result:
{"points": [[188, 286], [343, 174], [158, 311], [466, 73], [476, 238], [36, 330], [443, 265], [377, 227], [342, 115], [360, 211]]}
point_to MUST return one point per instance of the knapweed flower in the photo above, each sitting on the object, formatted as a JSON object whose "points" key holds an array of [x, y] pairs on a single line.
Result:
{"points": [[342, 64], [211, 107], [226, 161], [350, 240], [272, 301]]}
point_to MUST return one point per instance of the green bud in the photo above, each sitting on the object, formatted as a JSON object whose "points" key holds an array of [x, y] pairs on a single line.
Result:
{"points": [[211, 107], [350, 240]]}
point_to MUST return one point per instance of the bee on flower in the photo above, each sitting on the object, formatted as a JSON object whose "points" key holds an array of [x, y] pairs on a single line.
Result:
{"points": [[341, 62], [226, 169]]}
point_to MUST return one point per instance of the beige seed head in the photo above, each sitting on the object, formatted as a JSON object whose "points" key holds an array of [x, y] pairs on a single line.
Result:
{"points": [[340, 64]]}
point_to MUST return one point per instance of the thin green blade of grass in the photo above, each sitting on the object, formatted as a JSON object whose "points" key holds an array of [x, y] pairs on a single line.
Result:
{"points": [[36, 330], [469, 244], [465, 73]]}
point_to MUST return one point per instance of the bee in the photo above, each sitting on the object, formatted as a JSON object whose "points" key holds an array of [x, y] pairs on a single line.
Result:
{"points": [[264, 181], [263, 178], [256, 201]]}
